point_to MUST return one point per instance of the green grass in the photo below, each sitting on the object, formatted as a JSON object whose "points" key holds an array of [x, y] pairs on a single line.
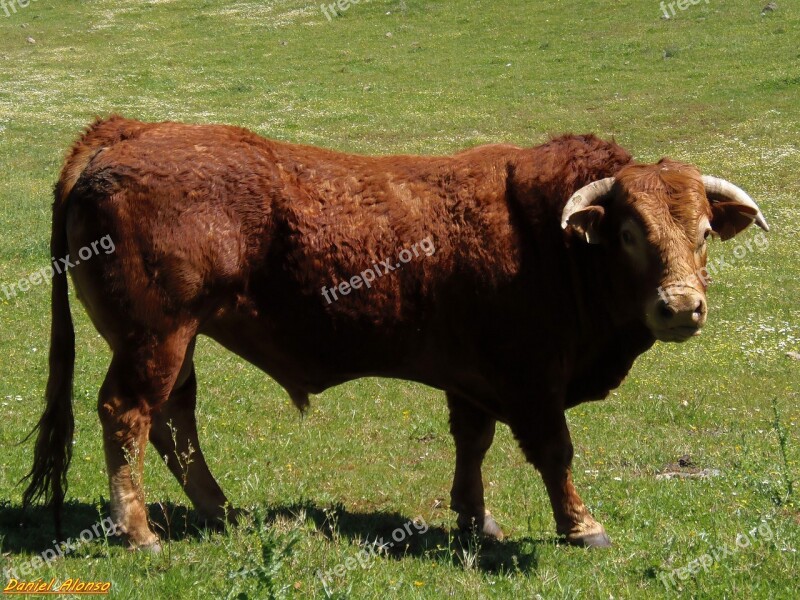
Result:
{"points": [[718, 85]]}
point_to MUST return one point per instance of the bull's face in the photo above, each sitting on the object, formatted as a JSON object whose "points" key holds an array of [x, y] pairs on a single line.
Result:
{"points": [[653, 223]]}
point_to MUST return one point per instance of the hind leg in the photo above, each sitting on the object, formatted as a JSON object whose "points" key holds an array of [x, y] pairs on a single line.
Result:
{"points": [[140, 378], [174, 434]]}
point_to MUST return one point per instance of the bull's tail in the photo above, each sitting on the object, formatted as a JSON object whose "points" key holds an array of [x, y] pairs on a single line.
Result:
{"points": [[53, 451], [47, 479]]}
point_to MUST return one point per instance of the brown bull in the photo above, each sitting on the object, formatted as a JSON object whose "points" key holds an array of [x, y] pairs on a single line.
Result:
{"points": [[519, 281]]}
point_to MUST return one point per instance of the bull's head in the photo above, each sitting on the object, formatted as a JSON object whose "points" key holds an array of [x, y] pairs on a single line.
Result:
{"points": [[652, 222]]}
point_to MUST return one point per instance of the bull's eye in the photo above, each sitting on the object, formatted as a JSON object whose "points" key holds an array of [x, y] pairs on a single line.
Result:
{"points": [[703, 242], [627, 237]]}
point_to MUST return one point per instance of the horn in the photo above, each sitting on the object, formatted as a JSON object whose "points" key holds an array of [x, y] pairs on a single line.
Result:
{"points": [[585, 196], [721, 187]]}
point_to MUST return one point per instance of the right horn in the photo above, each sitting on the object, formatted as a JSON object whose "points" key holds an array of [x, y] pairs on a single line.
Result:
{"points": [[584, 197], [735, 194]]}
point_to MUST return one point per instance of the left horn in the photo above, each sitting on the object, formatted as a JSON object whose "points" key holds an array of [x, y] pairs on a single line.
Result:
{"points": [[724, 188], [585, 197]]}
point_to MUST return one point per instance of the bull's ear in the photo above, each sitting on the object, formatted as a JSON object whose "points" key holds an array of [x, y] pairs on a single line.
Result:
{"points": [[586, 223], [732, 209], [730, 218]]}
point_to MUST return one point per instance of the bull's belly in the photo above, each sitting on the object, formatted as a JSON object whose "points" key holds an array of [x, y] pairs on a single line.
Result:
{"points": [[310, 360], [314, 361]]}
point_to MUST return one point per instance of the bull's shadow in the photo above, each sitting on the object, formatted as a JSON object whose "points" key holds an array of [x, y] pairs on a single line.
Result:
{"points": [[32, 531], [436, 544]]}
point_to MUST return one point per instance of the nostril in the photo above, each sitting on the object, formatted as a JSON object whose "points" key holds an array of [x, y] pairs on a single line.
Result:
{"points": [[699, 310]]}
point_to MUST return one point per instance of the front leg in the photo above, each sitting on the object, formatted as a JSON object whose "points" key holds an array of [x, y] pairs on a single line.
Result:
{"points": [[545, 440], [473, 432]]}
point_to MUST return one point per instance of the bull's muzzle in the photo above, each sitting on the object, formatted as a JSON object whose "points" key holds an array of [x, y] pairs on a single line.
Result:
{"points": [[677, 313]]}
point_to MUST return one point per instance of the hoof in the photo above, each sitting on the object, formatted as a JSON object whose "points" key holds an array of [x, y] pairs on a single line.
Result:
{"points": [[234, 515], [154, 548], [146, 540], [489, 528], [220, 519], [592, 540], [151, 547]]}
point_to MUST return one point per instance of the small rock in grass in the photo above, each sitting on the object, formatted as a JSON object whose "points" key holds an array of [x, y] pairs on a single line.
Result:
{"points": [[685, 468], [700, 474]]}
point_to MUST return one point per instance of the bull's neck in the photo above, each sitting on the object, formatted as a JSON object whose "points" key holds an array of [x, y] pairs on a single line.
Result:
{"points": [[608, 338]]}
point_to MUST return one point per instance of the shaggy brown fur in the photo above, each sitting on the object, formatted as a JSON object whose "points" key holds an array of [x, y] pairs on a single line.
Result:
{"points": [[221, 232]]}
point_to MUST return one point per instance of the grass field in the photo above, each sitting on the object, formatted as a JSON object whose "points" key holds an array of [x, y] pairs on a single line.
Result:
{"points": [[717, 85]]}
